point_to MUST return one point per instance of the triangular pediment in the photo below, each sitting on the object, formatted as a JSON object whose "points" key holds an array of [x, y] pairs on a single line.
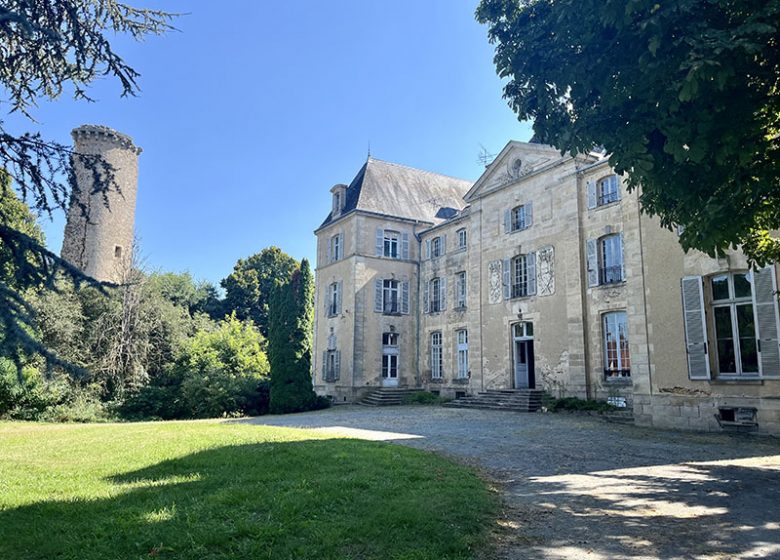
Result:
{"points": [[516, 160]]}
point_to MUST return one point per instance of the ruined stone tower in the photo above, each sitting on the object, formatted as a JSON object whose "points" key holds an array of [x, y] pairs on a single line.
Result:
{"points": [[100, 243]]}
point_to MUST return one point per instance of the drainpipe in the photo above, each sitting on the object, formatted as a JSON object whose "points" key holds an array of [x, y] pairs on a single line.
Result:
{"points": [[644, 299], [583, 284], [481, 306], [418, 308]]}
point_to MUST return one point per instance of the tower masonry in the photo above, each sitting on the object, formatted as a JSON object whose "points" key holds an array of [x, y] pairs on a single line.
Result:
{"points": [[99, 230]]}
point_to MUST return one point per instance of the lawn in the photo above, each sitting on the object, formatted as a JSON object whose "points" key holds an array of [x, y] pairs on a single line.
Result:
{"points": [[202, 490]]}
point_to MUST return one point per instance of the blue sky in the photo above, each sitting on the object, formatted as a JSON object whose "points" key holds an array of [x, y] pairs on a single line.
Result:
{"points": [[252, 111]]}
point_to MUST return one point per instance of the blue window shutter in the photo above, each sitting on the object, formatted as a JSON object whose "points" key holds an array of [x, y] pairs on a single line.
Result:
{"points": [[443, 243], [427, 248], [617, 187], [405, 246], [592, 200], [530, 264], [695, 327], [380, 242], [507, 221], [529, 214], [426, 297], [338, 297], [593, 262], [341, 246], [507, 277], [378, 296], [443, 293], [622, 258], [405, 298], [336, 365]]}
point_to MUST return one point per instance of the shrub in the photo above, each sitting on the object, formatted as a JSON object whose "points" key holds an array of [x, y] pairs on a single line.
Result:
{"points": [[575, 404], [422, 397]]}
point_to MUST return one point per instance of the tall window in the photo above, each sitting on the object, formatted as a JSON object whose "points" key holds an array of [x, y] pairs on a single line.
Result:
{"points": [[436, 355], [617, 361], [735, 329], [390, 293], [518, 218], [390, 355], [391, 244], [463, 353], [520, 276], [334, 299], [335, 247], [462, 240], [460, 289], [610, 259], [607, 190], [436, 248], [435, 295]]}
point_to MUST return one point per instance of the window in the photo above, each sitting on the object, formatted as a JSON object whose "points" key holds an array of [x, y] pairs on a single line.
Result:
{"points": [[463, 353], [117, 252], [336, 203], [462, 240], [390, 339], [734, 325], [436, 355], [390, 293], [335, 248], [334, 299], [518, 218], [331, 364], [610, 259], [390, 244], [436, 249], [435, 295], [607, 190], [520, 276], [460, 290], [390, 355], [617, 361]]}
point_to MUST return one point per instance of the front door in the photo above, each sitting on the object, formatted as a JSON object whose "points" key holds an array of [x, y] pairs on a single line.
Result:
{"points": [[390, 370], [523, 356]]}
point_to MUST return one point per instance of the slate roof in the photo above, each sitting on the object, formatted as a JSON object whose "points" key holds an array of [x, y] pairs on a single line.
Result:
{"points": [[396, 190]]}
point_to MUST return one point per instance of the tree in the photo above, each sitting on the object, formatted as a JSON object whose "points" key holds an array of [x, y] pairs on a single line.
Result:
{"points": [[47, 48], [291, 320], [248, 288], [18, 216], [683, 96]]}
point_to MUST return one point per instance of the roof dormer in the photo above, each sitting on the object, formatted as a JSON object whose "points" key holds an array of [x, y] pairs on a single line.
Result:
{"points": [[339, 197]]}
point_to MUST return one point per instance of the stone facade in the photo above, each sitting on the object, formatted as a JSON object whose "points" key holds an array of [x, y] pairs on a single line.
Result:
{"points": [[548, 276], [99, 230]]}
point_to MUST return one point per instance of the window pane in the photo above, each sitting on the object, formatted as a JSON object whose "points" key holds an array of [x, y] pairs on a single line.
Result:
{"points": [[720, 287], [723, 322], [726, 359], [749, 355], [741, 286], [745, 322]]}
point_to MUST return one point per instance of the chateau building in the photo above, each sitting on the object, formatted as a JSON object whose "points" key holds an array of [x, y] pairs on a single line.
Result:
{"points": [[542, 274]]}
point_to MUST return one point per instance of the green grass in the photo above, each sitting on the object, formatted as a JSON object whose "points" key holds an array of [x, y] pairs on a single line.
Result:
{"points": [[203, 490]]}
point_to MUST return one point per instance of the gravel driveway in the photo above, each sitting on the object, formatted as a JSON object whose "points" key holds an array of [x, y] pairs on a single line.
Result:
{"points": [[580, 488]]}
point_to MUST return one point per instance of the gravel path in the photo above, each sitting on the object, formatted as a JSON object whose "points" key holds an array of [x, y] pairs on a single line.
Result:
{"points": [[577, 487]]}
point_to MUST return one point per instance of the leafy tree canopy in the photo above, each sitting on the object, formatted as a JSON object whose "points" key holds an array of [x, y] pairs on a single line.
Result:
{"points": [[684, 96], [248, 288]]}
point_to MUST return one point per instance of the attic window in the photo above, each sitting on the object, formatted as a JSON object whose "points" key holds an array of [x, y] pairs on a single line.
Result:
{"points": [[336, 203]]}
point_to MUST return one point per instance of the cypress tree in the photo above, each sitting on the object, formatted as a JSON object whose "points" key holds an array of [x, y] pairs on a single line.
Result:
{"points": [[290, 324]]}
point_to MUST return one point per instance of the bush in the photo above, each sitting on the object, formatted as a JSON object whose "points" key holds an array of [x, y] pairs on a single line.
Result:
{"points": [[423, 397], [82, 406], [576, 404]]}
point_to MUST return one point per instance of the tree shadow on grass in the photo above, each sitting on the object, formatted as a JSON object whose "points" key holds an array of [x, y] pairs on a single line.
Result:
{"points": [[313, 499]]}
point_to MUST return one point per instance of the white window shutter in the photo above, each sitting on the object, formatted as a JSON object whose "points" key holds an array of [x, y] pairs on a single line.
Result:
{"points": [[405, 246], [766, 317], [695, 327], [593, 262], [378, 296], [622, 258], [338, 297], [507, 277], [341, 246], [507, 221], [426, 297], [405, 298], [529, 214], [427, 248], [336, 365], [380, 242], [592, 200], [443, 294], [530, 264], [617, 188]]}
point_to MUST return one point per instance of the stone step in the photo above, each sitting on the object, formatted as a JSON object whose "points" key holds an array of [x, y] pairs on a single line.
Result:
{"points": [[386, 396], [517, 400]]}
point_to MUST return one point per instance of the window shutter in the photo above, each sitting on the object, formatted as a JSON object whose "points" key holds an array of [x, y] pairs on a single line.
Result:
{"points": [[507, 221], [529, 214], [336, 364], [766, 313], [330, 250], [530, 267], [443, 243], [380, 242], [617, 187], [325, 365], [593, 262], [405, 246], [341, 246], [405, 298], [695, 327], [592, 200], [338, 297], [377, 296], [443, 293], [507, 278], [427, 248], [426, 297], [622, 259]]}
